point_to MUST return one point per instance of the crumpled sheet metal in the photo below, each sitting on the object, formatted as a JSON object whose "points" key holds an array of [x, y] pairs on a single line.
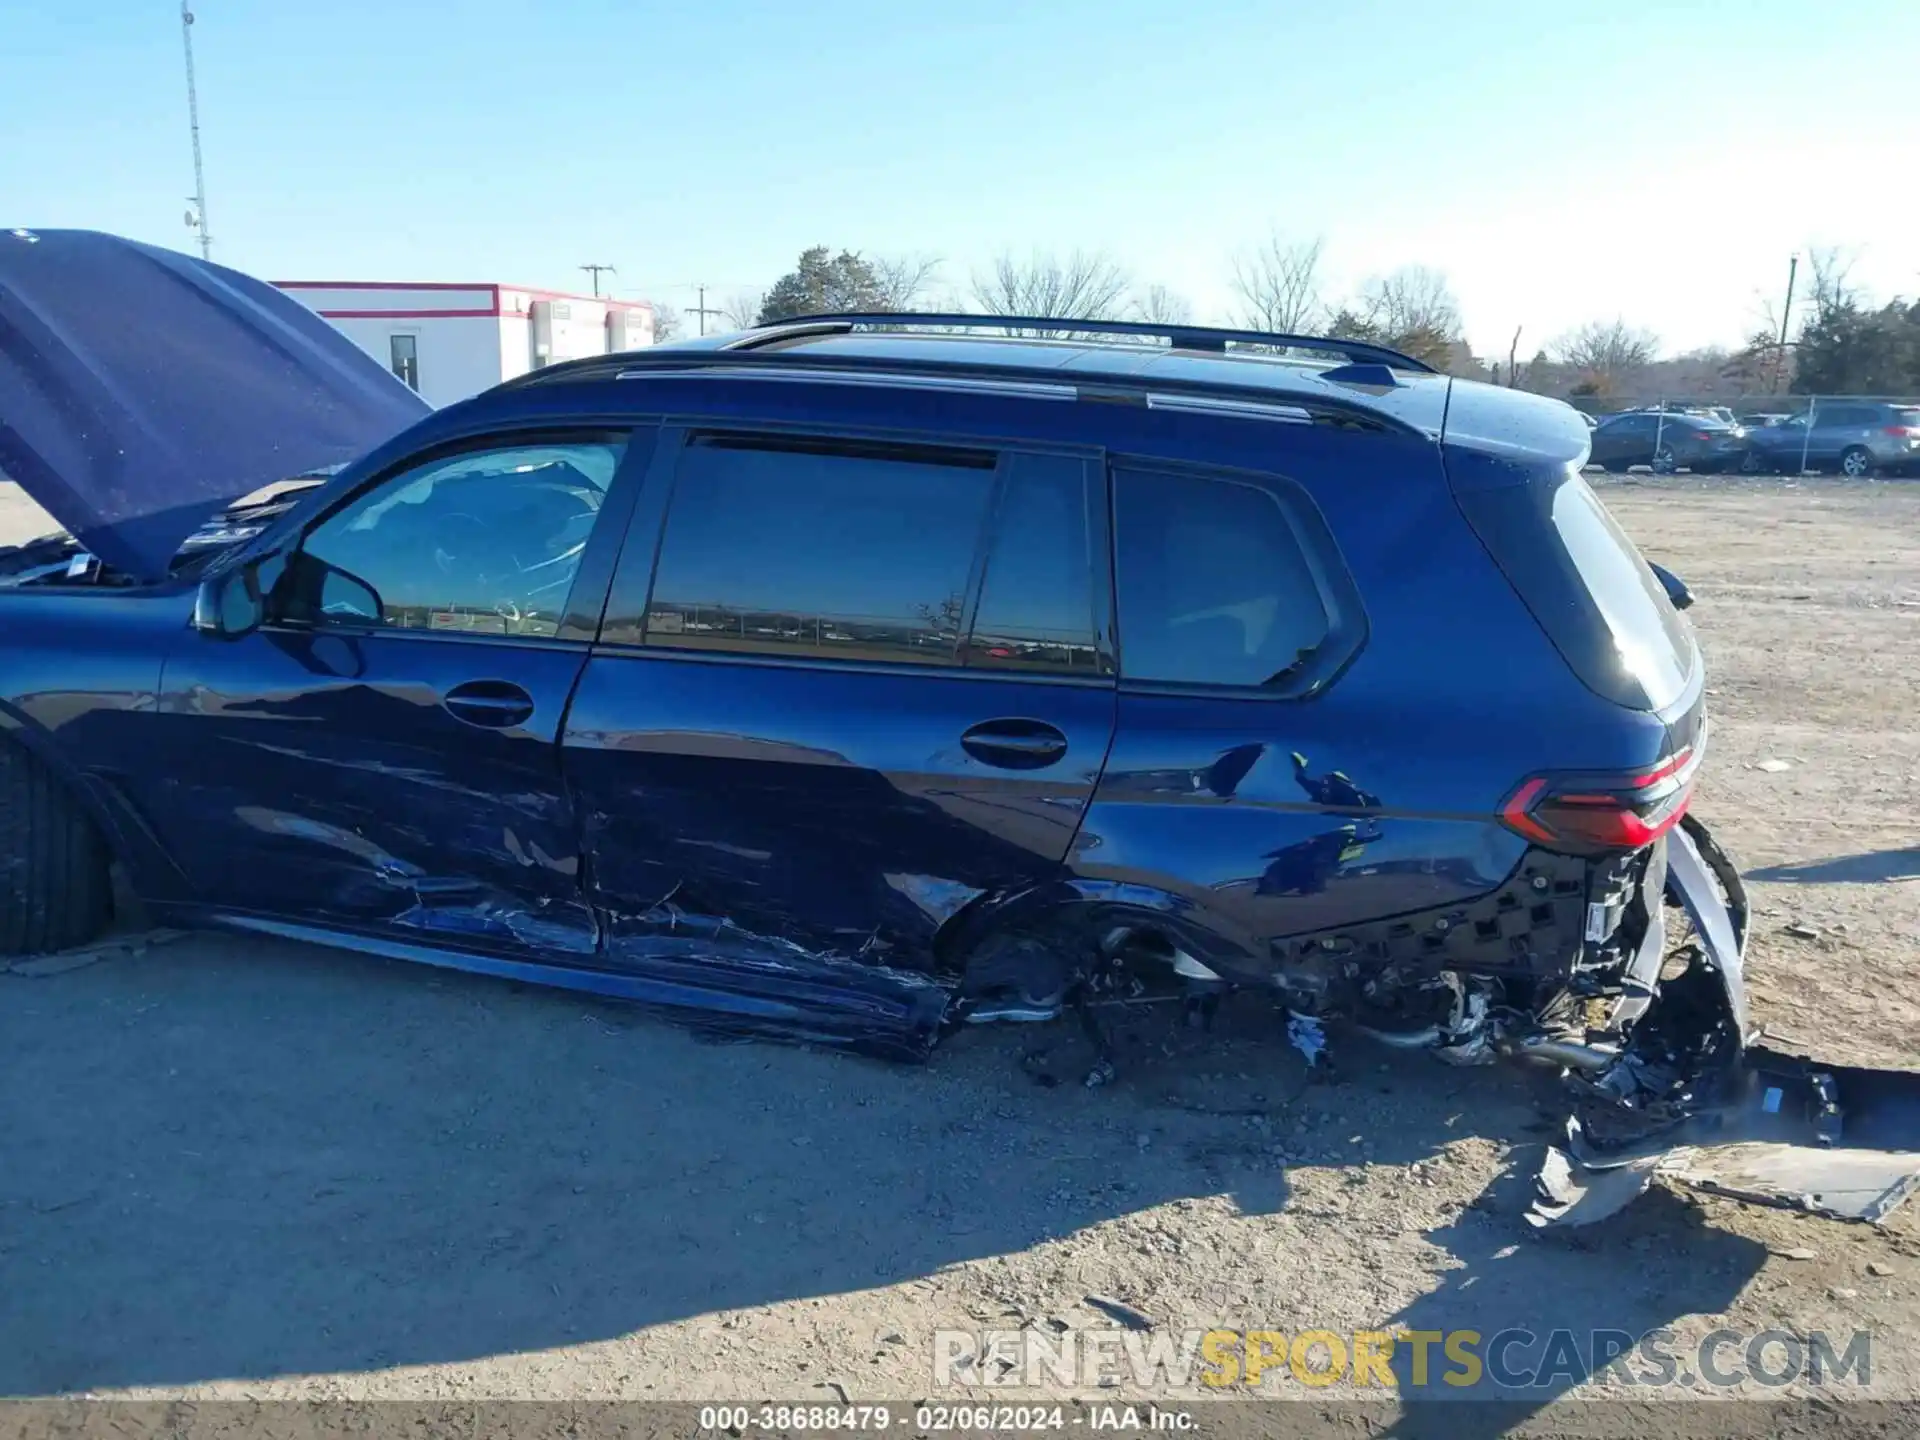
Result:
{"points": [[1842, 1184], [1571, 1194]]}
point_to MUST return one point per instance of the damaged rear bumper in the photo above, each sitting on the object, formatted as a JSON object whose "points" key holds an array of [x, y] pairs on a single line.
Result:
{"points": [[1723, 1114]]}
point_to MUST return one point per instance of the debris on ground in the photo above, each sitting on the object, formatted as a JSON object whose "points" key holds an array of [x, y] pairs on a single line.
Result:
{"points": [[1308, 1036], [1119, 1310]]}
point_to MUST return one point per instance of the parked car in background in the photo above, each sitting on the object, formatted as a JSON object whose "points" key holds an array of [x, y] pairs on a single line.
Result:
{"points": [[1711, 412], [1766, 418], [1854, 437], [1668, 440]]}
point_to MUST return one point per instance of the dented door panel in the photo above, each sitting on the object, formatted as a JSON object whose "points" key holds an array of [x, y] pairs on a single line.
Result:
{"points": [[321, 776], [815, 818]]}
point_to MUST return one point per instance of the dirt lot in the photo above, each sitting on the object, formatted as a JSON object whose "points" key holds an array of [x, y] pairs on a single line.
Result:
{"points": [[231, 1167]]}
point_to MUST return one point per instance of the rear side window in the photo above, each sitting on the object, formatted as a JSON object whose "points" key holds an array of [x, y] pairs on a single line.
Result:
{"points": [[1597, 599], [1036, 601], [792, 547], [1223, 582]]}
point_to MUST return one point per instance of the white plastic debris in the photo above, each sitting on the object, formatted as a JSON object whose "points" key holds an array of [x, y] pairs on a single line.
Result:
{"points": [[1773, 767], [1305, 1034]]}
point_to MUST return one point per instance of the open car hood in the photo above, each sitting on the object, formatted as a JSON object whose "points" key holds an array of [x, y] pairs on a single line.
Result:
{"points": [[140, 389]]}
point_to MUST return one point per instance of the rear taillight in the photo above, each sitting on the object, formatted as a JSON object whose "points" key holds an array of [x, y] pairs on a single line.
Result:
{"points": [[1904, 432], [1703, 435], [1584, 812]]}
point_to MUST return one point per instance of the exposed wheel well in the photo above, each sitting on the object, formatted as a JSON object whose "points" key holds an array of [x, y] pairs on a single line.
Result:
{"points": [[1047, 942]]}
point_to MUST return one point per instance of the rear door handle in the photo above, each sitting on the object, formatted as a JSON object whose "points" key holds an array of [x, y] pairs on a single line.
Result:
{"points": [[1015, 744], [490, 704]]}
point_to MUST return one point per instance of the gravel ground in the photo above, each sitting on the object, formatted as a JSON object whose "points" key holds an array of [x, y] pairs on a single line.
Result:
{"points": [[233, 1167]]}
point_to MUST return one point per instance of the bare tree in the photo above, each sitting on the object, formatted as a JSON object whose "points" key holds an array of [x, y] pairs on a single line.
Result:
{"points": [[1413, 301], [1411, 310], [1158, 305], [1606, 353], [1082, 287], [742, 312], [1832, 285], [905, 279], [667, 321], [1278, 282]]}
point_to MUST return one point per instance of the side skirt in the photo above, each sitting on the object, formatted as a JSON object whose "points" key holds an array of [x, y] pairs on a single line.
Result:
{"points": [[874, 1015]]}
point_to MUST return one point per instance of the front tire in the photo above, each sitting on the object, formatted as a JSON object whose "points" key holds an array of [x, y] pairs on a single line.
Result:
{"points": [[55, 886], [1856, 462]]}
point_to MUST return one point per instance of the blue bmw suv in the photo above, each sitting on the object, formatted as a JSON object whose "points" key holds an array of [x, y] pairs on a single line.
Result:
{"points": [[859, 676]]}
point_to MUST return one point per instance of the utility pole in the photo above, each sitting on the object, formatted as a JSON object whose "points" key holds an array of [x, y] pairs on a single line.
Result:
{"points": [[1513, 360], [199, 217], [1786, 313], [701, 309], [596, 271]]}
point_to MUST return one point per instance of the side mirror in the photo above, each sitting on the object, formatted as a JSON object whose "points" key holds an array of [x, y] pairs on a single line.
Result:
{"points": [[1676, 588], [231, 605], [345, 598], [311, 592]]}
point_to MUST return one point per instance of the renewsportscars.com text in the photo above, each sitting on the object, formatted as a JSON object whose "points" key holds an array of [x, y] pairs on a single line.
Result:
{"points": [[1509, 1359]]}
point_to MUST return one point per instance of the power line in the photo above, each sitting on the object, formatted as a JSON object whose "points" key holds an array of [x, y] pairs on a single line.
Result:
{"points": [[199, 217]]}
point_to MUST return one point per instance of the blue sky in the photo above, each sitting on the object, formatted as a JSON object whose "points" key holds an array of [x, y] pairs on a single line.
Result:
{"points": [[1560, 162]]}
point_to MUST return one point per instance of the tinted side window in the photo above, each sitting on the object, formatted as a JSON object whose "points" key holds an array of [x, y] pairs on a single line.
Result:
{"points": [[1036, 604], [1216, 586], [484, 542], [829, 550]]}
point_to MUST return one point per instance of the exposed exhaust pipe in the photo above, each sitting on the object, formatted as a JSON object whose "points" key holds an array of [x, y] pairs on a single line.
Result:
{"points": [[1570, 1053]]}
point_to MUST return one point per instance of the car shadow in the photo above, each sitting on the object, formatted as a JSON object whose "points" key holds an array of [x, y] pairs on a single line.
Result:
{"points": [[1548, 1312], [1870, 867], [235, 1160]]}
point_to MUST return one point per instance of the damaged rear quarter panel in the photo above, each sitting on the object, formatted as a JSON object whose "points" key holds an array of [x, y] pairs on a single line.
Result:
{"points": [[1260, 818]]}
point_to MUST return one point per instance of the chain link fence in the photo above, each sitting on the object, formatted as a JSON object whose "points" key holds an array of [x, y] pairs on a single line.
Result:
{"points": [[1856, 436]]}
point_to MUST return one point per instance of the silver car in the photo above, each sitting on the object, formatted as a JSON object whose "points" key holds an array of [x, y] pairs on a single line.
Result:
{"points": [[1855, 437]]}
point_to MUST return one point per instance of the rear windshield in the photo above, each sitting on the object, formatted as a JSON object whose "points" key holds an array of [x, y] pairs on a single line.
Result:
{"points": [[1587, 585]]}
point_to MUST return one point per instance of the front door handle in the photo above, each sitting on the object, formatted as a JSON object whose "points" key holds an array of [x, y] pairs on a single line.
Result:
{"points": [[1015, 744], [490, 704]]}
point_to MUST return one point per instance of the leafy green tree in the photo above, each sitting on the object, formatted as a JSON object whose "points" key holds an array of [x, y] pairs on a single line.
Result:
{"points": [[1847, 349], [823, 284]]}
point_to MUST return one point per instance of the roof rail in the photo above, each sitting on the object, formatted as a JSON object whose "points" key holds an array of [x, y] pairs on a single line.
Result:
{"points": [[1180, 337], [674, 361]]}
